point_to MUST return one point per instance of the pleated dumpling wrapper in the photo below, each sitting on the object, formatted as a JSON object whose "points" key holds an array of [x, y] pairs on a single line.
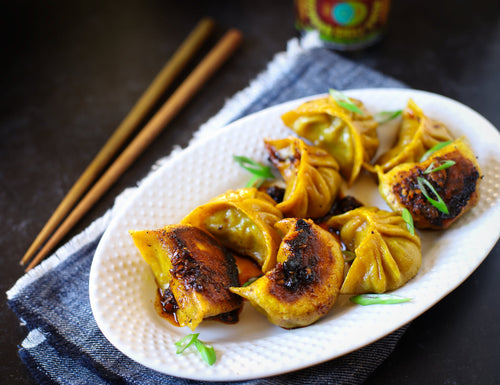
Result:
{"points": [[243, 221], [387, 255], [350, 137], [311, 177], [452, 172], [192, 267], [305, 283], [417, 134]]}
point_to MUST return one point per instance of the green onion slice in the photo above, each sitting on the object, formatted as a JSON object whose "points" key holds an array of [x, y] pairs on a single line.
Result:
{"points": [[253, 166], [259, 172], [185, 342], [442, 166], [437, 147], [250, 281], [409, 220], [344, 101], [385, 116], [378, 299], [349, 255], [256, 181], [424, 184], [207, 352]]}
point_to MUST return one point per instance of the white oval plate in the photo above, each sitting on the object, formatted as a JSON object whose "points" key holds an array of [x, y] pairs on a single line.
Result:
{"points": [[122, 287]]}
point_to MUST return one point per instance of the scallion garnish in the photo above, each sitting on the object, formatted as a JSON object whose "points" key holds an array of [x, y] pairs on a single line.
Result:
{"points": [[250, 281], [256, 181], [442, 166], [378, 299], [207, 352], [259, 172], [424, 184], [344, 101], [348, 255], [409, 220], [185, 342], [431, 151], [385, 116]]}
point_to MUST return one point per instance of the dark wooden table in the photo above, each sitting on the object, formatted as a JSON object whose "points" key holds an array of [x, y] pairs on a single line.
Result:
{"points": [[71, 70]]}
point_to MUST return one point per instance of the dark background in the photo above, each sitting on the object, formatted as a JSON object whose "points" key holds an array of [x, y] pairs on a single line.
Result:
{"points": [[71, 70]]}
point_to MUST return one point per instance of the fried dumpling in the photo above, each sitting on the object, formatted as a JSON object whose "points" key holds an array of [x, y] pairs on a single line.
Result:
{"points": [[417, 134], [194, 268], [454, 174], [387, 255], [350, 137], [305, 283], [311, 177], [242, 220]]}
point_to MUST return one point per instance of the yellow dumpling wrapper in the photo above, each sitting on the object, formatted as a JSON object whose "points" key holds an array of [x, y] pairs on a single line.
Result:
{"points": [[387, 255], [243, 221], [305, 284], [310, 174], [417, 134], [350, 137]]}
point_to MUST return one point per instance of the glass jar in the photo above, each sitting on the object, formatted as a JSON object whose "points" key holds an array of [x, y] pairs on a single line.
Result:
{"points": [[343, 25]]}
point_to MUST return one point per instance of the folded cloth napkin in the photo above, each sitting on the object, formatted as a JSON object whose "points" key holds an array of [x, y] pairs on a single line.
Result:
{"points": [[64, 343]]}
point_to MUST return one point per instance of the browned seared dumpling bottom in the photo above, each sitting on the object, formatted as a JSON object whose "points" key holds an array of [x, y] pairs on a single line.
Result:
{"points": [[456, 185], [193, 266], [305, 283]]}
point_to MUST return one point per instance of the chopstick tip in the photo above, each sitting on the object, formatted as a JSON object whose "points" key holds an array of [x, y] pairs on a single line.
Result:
{"points": [[27, 256], [32, 265], [208, 20], [236, 33]]}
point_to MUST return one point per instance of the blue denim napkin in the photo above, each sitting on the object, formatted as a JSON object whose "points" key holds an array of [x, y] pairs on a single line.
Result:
{"points": [[64, 344]]}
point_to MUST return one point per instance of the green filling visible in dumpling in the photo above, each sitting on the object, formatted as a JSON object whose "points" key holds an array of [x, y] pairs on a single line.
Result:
{"points": [[235, 230], [332, 134]]}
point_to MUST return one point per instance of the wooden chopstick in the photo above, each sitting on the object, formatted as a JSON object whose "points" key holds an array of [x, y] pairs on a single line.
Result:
{"points": [[214, 59], [150, 97]]}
